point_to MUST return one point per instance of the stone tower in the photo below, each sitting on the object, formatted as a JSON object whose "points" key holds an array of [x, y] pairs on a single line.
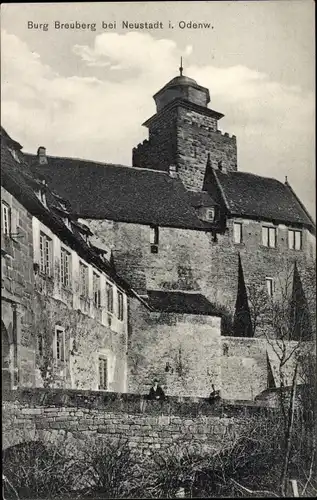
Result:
{"points": [[182, 133]]}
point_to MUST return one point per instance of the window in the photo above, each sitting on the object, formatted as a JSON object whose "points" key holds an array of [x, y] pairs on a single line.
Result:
{"points": [[40, 345], [154, 235], [46, 246], [83, 277], [109, 294], [237, 232], [210, 213], [59, 343], [120, 306], [269, 286], [65, 267], [269, 236], [294, 239], [6, 219], [96, 289], [103, 374]]}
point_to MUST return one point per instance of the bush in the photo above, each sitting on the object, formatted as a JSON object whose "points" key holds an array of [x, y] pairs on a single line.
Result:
{"points": [[33, 470], [108, 469]]}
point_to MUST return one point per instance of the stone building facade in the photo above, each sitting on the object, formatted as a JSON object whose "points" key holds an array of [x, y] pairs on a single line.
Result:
{"points": [[64, 316], [198, 241]]}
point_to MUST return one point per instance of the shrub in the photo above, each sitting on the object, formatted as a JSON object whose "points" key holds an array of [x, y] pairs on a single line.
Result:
{"points": [[33, 470], [107, 469]]}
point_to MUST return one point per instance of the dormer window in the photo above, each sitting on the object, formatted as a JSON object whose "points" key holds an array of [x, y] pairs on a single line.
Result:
{"points": [[67, 223], [14, 155], [210, 214], [41, 193], [63, 204]]}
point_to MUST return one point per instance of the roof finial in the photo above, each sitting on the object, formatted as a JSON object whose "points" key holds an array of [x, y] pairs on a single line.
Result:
{"points": [[181, 67], [286, 181]]}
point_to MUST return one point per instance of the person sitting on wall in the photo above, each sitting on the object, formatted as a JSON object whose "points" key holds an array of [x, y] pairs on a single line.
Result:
{"points": [[156, 392], [214, 394]]}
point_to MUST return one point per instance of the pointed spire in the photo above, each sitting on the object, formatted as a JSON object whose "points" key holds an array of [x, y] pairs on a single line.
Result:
{"points": [[208, 165], [111, 261], [181, 68], [242, 325], [207, 172], [300, 327]]}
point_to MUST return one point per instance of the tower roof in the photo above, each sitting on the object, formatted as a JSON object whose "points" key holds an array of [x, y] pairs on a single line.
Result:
{"points": [[181, 87], [181, 80]]}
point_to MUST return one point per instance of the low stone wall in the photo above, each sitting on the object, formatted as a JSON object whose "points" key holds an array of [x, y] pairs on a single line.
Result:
{"points": [[71, 416]]}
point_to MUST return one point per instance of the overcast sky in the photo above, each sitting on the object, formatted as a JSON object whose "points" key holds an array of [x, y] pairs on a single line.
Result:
{"points": [[85, 93]]}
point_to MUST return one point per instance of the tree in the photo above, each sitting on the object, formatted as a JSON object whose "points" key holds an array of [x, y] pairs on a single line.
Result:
{"points": [[286, 321]]}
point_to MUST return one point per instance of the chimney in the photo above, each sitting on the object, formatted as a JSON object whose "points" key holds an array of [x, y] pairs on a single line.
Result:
{"points": [[173, 171], [41, 156]]}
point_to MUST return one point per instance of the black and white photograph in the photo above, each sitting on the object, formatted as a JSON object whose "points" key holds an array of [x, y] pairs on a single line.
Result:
{"points": [[158, 256]]}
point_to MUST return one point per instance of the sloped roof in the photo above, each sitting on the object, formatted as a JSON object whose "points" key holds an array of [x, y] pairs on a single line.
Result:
{"points": [[18, 179], [251, 195], [201, 199], [181, 302], [120, 193]]}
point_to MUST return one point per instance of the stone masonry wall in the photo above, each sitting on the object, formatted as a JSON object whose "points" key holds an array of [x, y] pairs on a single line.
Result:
{"points": [[159, 151], [72, 418], [17, 290], [85, 339], [198, 136], [181, 350], [191, 260], [244, 370], [30, 316]]}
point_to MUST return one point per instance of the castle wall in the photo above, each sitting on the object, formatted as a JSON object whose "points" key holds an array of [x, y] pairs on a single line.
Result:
{"points": [[244, 369], [191, 260], [73, 418], [181, 350]]}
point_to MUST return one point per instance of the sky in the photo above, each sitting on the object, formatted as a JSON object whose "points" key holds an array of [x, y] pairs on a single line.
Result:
{"points": [[86, 92]]}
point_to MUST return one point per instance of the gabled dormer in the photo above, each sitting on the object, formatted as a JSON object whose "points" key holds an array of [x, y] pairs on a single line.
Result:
{"points": [[206, 207]]}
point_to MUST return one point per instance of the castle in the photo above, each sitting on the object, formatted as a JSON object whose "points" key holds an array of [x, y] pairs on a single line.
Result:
{"points": [[115, 274]]}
